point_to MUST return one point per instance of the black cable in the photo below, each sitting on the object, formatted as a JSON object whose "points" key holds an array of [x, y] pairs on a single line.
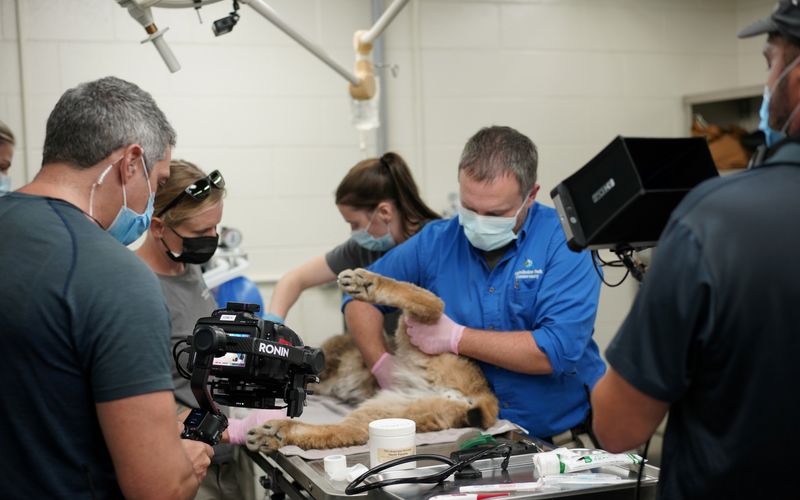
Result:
{"points": [[602, 278], [641, 468], [634, 267], [354, 488], [176, 358], [613, 263]]}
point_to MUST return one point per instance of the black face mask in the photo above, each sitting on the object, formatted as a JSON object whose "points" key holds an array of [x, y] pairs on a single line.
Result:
{"points": [[197, 250]]}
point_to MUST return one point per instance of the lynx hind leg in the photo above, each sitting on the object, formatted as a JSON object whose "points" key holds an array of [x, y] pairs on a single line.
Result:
{"points": [[484, 411], [418, 303], [345, 377], [433, 413], [464, 376]]}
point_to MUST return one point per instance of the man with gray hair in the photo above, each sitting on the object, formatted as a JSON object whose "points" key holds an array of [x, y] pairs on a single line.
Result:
{"points": [[517, 300], [88, 400]]}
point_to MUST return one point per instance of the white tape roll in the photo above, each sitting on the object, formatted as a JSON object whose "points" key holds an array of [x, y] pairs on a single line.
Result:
{"points": [[336, 467], [355, 471], [546, 464]]}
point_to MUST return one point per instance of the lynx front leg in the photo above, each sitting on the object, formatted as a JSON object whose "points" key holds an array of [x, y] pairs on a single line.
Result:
{"points": [[274, 434], [366, 286]]}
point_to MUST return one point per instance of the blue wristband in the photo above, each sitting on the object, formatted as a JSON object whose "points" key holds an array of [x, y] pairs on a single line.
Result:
{"points": [[273, 317]]}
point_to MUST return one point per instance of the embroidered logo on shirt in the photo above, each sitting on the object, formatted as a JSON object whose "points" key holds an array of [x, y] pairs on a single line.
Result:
{"points": [[527, 263], [528, 274]]}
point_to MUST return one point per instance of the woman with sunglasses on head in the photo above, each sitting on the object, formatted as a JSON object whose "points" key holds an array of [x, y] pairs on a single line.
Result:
{"points": [[182, 235], [380, 200]]}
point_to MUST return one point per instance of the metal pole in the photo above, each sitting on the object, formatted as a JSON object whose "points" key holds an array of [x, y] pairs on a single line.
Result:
{"points": [[378, 54], [30, 173], [383, 21], [270, 15]]}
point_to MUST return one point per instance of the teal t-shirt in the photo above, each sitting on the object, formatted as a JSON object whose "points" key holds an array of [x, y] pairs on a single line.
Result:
{"points": [[82, 321]]}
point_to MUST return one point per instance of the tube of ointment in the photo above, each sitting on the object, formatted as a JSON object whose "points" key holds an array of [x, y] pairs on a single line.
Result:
{"points": [[550, 463]]}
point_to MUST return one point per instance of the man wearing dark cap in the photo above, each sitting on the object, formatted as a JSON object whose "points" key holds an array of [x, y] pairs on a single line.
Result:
{"points": [[714, 333]]}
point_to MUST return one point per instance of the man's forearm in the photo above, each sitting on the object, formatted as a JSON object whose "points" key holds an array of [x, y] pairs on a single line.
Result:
{"points": [[181, 463], [516, 351], [365, 324]]}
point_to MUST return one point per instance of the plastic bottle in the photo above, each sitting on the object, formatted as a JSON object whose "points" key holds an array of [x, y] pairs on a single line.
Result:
{"points": [[392, 438]]}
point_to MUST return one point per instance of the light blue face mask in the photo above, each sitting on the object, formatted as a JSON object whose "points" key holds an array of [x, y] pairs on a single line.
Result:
{"points": [[486, 232], [127, 226], [371, 243], [5, 184], [771, 136]]}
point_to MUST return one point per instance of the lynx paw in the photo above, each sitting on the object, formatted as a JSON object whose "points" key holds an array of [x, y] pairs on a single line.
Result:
{"points": [[359, 283], [268, 436]]}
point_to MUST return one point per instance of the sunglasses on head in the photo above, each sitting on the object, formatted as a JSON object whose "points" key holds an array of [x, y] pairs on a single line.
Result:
{"points": [[198, 190]]}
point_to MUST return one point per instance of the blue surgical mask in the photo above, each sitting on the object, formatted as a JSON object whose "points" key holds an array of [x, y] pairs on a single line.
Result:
{"points": [[5, 184], [128, 225], [369, 242], [488, 232], [771, 136]]}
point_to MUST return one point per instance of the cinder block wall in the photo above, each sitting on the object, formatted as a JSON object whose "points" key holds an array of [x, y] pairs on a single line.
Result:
{"points": [[571, 74]]}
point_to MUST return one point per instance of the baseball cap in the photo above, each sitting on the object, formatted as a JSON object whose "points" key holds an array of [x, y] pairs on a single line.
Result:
{"points": [[785, 19]]}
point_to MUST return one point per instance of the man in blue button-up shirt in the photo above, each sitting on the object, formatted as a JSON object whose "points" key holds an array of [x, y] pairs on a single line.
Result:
{"points": [[517, 300]]}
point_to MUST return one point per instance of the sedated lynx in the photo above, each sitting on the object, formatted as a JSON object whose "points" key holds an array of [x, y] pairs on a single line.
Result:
{"points": [[437, 392]]}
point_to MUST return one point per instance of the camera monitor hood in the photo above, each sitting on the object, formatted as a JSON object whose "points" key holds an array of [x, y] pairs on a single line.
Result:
{"points": [[623, 197]]}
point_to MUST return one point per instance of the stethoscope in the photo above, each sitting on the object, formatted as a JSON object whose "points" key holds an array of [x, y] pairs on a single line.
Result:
{"points": [[455, 467]]}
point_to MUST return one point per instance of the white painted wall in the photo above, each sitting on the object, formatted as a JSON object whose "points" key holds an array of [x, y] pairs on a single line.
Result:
{"points": [[571, 74]]}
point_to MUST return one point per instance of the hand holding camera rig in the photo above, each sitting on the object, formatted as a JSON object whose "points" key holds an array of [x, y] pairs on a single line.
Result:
{"points": [[253, 362]]}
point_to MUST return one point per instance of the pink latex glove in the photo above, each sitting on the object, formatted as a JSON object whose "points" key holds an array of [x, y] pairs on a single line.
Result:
{"points": [[382, 370], [442, 336], [238, 427]]}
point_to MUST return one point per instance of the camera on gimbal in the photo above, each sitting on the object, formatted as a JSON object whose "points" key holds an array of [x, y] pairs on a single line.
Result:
{"points": [[238, 359]]}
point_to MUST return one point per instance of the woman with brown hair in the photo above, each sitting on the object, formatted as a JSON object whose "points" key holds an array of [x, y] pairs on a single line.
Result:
{"points": [[380, 200], [183, 235]]}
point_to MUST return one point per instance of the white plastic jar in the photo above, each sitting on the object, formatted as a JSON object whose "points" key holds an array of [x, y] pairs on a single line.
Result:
{"points": [[391, 438]]}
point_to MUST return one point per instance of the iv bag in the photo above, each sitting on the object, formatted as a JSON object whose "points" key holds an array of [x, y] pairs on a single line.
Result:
{"points": [[366, 113]]}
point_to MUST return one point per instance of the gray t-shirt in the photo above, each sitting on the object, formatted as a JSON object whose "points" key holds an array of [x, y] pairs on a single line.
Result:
{"points": [[351, 255], [189, 299], [83, 321]]}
